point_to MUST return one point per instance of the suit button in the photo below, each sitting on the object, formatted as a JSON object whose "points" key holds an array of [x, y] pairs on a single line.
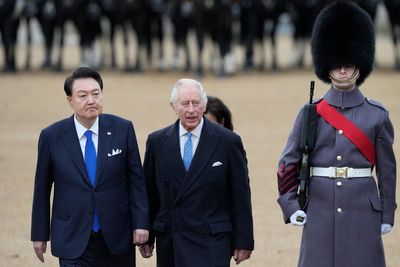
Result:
{"points": [[339, 210]]}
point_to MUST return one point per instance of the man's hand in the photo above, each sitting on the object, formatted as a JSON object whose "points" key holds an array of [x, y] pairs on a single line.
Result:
{"points": [[40, 248], [146, 250], [140, 236], [240, 255]]}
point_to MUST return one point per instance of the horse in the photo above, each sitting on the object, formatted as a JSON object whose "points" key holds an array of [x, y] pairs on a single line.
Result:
{"points": [[156, 10], [182, 14], [393, 9], [303, 14], [115, 11], [210, 19], [90, 34], [74, 11], [137, 16], [45, 13], [10, 11], [269, 12]]}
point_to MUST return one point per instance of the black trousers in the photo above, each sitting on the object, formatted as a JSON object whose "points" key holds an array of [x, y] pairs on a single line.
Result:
{"points": [[98, 255]]}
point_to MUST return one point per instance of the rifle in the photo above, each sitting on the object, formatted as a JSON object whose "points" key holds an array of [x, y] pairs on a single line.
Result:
{"points": [[308, 131]]}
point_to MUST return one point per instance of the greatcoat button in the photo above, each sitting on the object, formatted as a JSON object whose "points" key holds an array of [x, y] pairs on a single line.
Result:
{"points": [[339, 210], [339, 158], [340, 131], [339, 184]]}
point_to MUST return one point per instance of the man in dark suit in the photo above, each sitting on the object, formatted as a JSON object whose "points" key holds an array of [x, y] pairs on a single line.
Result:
{"points": [[100, 205], [199, 194]]}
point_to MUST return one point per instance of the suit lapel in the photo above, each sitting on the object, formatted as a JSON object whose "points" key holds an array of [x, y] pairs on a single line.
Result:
{"points": [[207, 143], [172, 152], [103, 145], [71, 142]]}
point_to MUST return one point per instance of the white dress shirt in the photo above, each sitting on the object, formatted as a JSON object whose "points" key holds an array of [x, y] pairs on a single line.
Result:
{"points": [[196, 132], [80, 131]]}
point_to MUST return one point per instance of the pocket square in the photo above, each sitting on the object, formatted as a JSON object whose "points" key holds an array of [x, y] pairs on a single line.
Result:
{"points": [[115, 152], [216, 164]]}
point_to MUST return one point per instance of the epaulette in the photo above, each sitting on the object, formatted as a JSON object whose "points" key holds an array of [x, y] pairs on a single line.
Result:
{"points": [[376, 103]]}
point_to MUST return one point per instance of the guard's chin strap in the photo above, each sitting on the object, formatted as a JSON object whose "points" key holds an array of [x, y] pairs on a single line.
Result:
{"points": [[352, 79]]}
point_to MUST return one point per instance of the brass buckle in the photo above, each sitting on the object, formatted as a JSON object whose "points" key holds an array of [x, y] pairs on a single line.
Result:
{"points": [[341, 172]]}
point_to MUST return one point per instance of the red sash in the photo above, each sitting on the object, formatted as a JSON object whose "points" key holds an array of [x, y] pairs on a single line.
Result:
{"points": [[351, 131]]}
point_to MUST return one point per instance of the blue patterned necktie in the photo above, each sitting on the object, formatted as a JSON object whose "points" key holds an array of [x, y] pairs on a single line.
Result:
{"points": [[90, 163], [187, 151]]}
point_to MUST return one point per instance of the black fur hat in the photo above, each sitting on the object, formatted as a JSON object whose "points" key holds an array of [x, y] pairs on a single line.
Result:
{"points": [[343, 34]]}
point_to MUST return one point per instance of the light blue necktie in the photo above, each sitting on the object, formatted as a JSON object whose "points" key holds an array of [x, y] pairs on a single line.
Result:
{"points": [[187, 151], [90, 163]]}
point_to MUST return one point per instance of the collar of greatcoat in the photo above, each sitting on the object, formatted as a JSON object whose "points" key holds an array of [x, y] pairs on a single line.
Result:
{"points": [[344, 99]]}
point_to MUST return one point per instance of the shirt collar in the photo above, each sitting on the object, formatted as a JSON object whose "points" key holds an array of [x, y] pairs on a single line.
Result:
{"points": [[196, 131], [80, 129], [344, 98]]}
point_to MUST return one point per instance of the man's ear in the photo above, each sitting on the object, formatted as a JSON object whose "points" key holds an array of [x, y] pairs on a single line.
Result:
{"points": [[69, 100], [204, 107], [173, 107]]}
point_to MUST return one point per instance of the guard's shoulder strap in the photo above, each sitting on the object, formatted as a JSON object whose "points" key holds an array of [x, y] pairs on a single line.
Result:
{"points": [[375, 103]]}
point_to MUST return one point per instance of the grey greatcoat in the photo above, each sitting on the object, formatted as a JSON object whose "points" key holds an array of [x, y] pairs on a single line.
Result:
{"points": [[343, 215]]}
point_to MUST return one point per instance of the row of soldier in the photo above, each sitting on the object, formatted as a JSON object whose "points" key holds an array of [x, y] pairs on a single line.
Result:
{"points": [[251, 21]]}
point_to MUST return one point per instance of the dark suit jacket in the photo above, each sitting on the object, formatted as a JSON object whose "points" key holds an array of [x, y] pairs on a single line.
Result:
{"points": [[119, 194], [198, 216]]}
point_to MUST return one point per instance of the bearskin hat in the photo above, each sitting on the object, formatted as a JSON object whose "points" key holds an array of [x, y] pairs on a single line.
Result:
{"points": [[343, 34]]}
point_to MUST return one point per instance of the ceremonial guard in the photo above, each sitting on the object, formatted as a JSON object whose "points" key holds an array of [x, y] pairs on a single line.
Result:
{"points": [[335, 145]]}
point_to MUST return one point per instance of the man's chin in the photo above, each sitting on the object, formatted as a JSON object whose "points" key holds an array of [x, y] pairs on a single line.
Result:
{"points": [[93, 113], [191, 125]]}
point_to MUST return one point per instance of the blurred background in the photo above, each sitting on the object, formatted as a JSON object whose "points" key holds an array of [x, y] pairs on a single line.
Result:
{"points": [[220, 37]]}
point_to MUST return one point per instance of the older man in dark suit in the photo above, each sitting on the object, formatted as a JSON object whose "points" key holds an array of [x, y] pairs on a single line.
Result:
{"points": [[100, 205], [199, 194]]}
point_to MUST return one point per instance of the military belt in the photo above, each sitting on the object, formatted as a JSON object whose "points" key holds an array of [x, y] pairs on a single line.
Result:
{"points": [[340, 172]]}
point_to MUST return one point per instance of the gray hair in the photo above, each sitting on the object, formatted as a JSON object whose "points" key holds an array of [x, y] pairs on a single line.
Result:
{"points": [[182, 83]]}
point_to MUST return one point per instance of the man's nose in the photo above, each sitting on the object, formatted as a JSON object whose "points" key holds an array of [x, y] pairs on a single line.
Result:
{"points": [[90, 99], [190, 107]]}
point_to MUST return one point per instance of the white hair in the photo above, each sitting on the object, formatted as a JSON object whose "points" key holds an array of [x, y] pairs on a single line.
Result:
{"points": [[182, 83]]}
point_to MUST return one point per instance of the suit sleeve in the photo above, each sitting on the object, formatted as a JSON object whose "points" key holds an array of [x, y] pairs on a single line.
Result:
{"points": [[139, 201], [40, 228], [386, 170], [150, 174], [241, 211]]}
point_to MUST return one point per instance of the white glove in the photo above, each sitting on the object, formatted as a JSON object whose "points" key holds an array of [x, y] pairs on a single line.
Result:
{"points": [[299, 218], [385, 228]]}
